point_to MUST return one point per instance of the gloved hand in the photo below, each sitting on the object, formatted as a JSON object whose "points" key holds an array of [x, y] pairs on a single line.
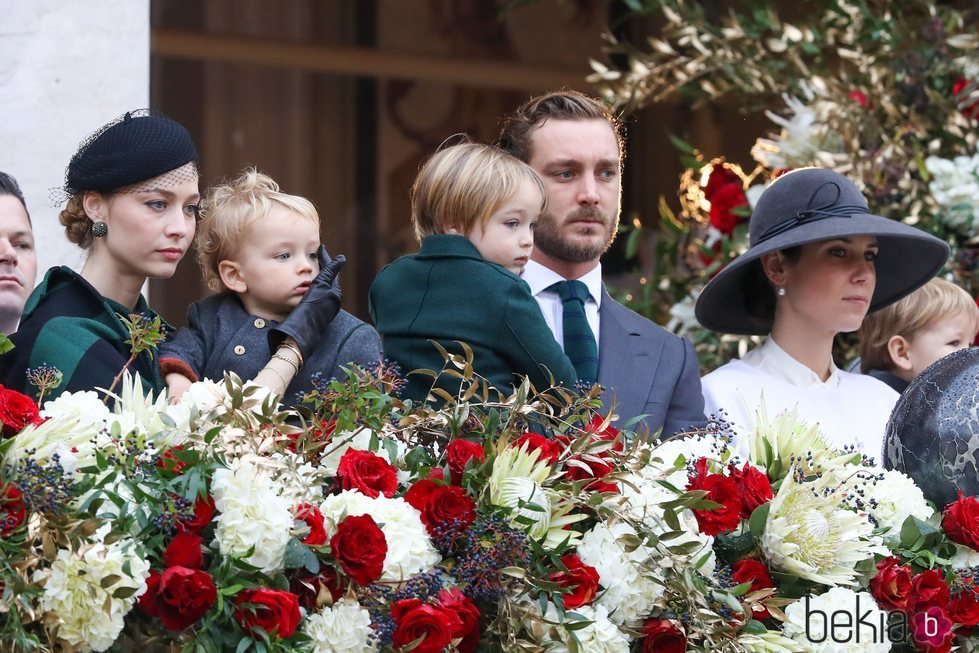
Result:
{"points": [[307, 323]]}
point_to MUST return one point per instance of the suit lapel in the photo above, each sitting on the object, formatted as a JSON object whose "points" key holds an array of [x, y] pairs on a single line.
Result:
{"points": [[628, 358]]}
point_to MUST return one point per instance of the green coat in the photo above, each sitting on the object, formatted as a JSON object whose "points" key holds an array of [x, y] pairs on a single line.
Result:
{"points": [[67, 324], [447, 292]]}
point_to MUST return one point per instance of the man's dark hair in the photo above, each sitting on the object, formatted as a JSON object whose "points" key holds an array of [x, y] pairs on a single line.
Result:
{"points": [[560, 105], [8, 186]]}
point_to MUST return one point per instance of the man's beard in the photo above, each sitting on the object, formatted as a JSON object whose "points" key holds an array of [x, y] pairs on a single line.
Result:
{"points": [[550, 239]]}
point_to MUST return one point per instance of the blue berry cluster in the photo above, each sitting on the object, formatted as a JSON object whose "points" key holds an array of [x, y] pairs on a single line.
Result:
{"points": [[491, 544], [44, 488]]}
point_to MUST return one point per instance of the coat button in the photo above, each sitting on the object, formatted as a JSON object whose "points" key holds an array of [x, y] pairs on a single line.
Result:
{"points": [[239, 349], [259, 323]]}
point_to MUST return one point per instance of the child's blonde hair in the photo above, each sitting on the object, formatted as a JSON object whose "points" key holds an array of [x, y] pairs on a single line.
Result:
{"points": [[462, 185], [230, 209], [935, 300]]}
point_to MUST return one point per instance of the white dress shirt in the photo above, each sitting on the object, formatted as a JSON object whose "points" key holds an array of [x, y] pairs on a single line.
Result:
{"points": [[539, 278], [849, 408]]}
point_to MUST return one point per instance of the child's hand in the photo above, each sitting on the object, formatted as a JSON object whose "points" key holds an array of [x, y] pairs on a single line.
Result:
{"points": [[309, 320]]}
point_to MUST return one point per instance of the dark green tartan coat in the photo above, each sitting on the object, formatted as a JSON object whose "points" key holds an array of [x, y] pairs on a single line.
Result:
{"points": [[67, 324]]}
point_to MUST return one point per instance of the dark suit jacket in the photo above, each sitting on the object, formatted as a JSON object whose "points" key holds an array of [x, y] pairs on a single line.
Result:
{"points": [[648, 370]]}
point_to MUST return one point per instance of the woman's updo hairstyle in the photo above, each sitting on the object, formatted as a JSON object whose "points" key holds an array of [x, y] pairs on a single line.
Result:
{"points": [[137, 151]]}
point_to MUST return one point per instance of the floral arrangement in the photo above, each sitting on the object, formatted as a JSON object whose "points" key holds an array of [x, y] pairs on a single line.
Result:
{"points": [[886, 93], [522, 523]]}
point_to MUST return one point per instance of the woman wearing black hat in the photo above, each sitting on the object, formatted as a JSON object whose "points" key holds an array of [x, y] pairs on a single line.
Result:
{"points": [[818, 263]]}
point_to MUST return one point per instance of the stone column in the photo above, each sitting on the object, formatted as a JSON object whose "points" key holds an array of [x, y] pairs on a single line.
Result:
{"points": [[66, 68]]}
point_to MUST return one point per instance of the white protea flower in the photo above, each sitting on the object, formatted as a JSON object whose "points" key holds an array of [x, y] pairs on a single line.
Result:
{"points": [[890, 497], [775, 445], [517, 483], [136, 411], [811, 535], [864, 630], [769, 642], [74, 430], [632, 585], [344, 627], [79, 589]]}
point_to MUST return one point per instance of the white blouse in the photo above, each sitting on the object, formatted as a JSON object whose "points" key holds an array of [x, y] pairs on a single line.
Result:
{"points": [[849, 408]]}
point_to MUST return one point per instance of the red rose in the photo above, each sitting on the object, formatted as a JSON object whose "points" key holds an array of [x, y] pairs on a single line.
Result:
{"points": [[314, 590], [720, 489], [17, 410], [961, 521], [964, 609], [592, 465], [169, 462], [13, 510], [360, 548], [960, 85], [442, 506], [722, 205], [314, 521], [891, 587], [580, 578], [754, 488], [720, 176], [859, 97], [928, 589], [662, 636], [431, 624], [203, 514], [179, 596], [550, 450], [932, 631], [754, 572], [367, 473], [274, 611], [468, 614], [460, 452], [184, 551]]}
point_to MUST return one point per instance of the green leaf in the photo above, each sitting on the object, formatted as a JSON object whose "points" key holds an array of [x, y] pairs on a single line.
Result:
{"points": [[758, 519], [681, 144]]}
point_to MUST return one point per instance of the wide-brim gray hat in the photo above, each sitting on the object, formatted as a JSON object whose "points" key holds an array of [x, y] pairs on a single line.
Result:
{"points": [[810, 205]]}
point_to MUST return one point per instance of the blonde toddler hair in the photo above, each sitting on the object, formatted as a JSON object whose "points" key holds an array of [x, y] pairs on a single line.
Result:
{"points": [[462, 185], [228, 212], [935, 300]]}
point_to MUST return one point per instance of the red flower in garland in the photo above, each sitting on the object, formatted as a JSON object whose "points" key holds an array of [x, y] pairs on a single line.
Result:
{"points": [[178, 597], [860, 98], [458, 453], [754, 488], [971, 110], [360, 548], [960, 520], [725, 193], [580, 578], [314, 590], [274, 611], [928, 590], [367, 473], [184, 551], [17, 410], [468, 615], [720, 489], [591, 465], [203, 514], [13, 510], [756, 573], [441, 506], [662, 636], [431, 624], [550, 450], [891, 587], [314, 521]]}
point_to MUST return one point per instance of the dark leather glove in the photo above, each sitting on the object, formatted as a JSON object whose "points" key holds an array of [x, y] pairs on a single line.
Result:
{"points": [[307, 323]]}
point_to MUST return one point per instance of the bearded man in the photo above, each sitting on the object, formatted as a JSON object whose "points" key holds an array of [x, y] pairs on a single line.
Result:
{"points": [[575, 144]]}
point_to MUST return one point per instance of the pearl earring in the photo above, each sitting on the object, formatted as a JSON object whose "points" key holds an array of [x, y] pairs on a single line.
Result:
{"points": [[780, 291]]}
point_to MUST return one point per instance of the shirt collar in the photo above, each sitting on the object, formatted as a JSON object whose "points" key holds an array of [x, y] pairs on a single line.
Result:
{"points": [[775, 361], [540, 278]]}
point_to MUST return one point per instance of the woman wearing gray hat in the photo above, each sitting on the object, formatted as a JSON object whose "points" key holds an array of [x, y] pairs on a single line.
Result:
{"points": [[817, 264], [132, 195]]}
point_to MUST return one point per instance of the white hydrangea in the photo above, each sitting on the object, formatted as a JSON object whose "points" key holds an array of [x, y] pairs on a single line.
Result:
{"points": [[88, 615], [344, 627], [964, 558], [251, 514], [600, 636], [84, 408], [410, 550], [863, 631], [890, 496], [631, 589]]}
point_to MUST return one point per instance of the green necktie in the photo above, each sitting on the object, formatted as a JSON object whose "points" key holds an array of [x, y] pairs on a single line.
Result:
{"points": [[579, 341]]}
